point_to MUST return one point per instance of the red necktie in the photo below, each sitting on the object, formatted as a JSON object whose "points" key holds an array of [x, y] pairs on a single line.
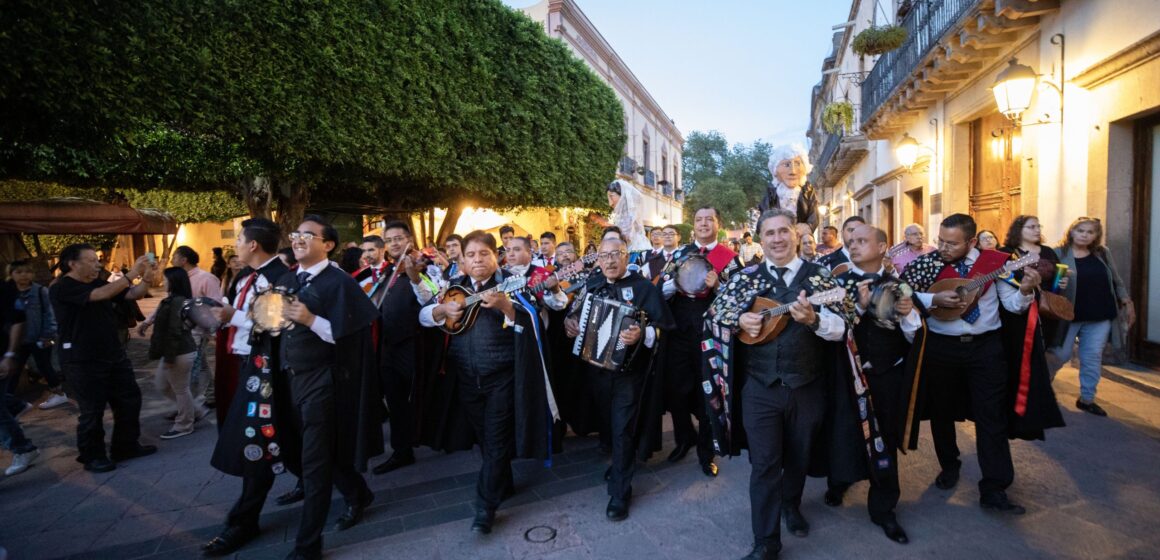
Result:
{"points": [[242, 302]]}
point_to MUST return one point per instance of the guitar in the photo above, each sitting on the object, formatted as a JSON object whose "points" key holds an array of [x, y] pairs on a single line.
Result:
{"points": [[470, 300], [969, 289], [776, 316]]}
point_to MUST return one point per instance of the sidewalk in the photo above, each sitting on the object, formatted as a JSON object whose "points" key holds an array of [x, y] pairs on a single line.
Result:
{"points": [[1092, 490]]}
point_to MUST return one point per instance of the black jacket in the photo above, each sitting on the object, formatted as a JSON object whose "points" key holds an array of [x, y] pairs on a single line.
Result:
{"points": [[807, 203]]}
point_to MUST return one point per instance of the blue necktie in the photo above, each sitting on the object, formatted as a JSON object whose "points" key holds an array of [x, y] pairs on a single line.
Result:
{"points": [[973, 315], [303, 279]]}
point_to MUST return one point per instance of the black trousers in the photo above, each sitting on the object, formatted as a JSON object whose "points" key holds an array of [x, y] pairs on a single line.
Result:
{"points": [[619, 394], [313, 393], [781, 424], [979, 365], [96, 385], [489, 403], [397, 377], [887, 395], [684, 398]]}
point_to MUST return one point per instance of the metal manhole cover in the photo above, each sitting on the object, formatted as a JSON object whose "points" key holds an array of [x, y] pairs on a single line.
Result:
{"points": [[540, 534]]}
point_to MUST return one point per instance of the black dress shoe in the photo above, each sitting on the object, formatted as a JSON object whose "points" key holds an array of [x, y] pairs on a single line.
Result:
{"points": [[709, 468], [134, 453], [795, 522], [397, 460], [353, 514], [680, 452], [763, 552], [231, 539], [893, 531], [1091, 408], [999, 502], [617, 509], [834, 495], [947, 479], [295, 495], [483, 521], [100, 465]]}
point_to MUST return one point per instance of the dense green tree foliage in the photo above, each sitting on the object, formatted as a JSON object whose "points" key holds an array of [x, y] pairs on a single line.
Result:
{"points": [[732, 180]]}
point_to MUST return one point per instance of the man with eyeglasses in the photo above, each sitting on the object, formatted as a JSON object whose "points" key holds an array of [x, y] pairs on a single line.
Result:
{"points": [[328, 356], [497, 367], [619, 393], [684, 394], [655, 265], [916, 246]]}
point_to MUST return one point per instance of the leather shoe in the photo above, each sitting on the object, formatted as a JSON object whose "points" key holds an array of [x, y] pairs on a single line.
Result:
{"points": [[100, 466], [483, 521], [134, 453], [680, 452], [397, 460], [1001, 504], [617, 509], [295, 495], [353, 514], [709, 468], [947, 479], [231, 539], [763, 552], [893, 531], [795, 522], [834, 495], [1091, 408]]}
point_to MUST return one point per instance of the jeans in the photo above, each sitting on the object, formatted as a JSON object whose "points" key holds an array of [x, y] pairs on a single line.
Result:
{"points": [[172, 380], [11, 435], [1093, 335], [200, 364], [43, 359]]}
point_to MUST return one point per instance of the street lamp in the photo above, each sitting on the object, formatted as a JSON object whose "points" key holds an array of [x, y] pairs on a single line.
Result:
{"points": [[1013, 89], [907, 150]]}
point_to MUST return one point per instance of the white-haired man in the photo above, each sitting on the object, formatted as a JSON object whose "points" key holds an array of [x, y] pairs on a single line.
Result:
{"points": [[789, 164]]}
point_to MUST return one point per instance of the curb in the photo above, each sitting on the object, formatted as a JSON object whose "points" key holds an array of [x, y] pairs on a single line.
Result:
{"points": [[1137, 385]]}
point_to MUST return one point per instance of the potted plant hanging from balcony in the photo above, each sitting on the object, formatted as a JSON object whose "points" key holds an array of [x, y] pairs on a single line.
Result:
{"points": [[838, 117], [879, 39]]}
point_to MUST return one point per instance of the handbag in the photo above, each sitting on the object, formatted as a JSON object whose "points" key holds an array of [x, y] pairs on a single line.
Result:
{"points": [[1055, 307]]}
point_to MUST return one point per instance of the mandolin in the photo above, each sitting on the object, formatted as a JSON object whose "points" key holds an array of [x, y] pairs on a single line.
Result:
{"points": [[969, 289], [471, 300], [776, 316]]}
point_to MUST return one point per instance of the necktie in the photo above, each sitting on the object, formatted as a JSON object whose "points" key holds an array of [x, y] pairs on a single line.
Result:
{"points": [[478, 287], [779, 282], [973, 315], [704, 250], [241, 303], [303, 279]]}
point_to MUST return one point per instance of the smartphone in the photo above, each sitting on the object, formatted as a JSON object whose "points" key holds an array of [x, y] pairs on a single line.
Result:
{"points": [[152, 257]]}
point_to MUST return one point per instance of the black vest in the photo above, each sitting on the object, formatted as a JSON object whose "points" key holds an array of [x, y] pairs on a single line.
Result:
{"points": [[796, 356], [485, 349], [882, 348], [399, 312]]}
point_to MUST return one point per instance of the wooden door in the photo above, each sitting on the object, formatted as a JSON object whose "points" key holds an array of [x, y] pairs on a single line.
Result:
{"points": [[995, 173]]}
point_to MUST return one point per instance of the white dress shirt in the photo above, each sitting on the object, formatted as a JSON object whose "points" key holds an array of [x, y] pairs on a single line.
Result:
{"points": [[240, 320], [830, 326], [788, 196], [1010, 296]]}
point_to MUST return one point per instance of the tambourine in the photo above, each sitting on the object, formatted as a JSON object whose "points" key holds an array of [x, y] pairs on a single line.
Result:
{"points": [[198, 312], [692, 275], [266, 310], [883, 296]]}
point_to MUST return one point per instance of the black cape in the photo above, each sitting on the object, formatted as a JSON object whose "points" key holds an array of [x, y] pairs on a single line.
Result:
{"points": [[334, 295]]}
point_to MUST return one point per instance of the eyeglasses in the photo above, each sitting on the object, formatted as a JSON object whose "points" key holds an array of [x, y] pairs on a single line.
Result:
{"points": [[610, 255], [669, 234], [306, 236], [396, 239]]}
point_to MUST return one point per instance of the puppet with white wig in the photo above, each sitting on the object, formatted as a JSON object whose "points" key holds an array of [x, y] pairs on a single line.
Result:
{"points": [[789, 164], [625, 203]]}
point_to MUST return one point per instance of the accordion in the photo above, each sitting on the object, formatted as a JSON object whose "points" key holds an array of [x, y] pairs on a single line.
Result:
{"points": [[601, 321]]}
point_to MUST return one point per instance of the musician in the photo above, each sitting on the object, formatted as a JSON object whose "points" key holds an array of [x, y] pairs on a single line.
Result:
{"points": [[684, 396], [778, 384], [655, 239], [547, 258], [328, 357], [915, 246], [373, 250], [519, 256], [258, 355], [790, 164], [454, 249], [967, 354], [620, 392], [578, 409], [656, 262], [842, 255], [398, 343], [881, 346], [498, 365]]}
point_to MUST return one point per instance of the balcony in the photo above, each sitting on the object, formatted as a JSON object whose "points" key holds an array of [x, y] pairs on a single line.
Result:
{"points": [[666, 188], [650, 179], [627, 166], [948, 42]]}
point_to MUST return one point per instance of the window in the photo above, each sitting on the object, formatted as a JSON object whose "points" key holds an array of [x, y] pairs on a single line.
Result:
{"points": [[664, 167], [644, 156]]}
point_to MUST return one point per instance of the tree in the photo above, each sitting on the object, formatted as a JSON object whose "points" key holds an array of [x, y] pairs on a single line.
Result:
{"points": [[400, 103], [732, 180]]}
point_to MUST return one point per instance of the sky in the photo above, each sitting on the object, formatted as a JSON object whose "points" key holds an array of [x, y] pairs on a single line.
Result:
{"points": [[741, 67]]}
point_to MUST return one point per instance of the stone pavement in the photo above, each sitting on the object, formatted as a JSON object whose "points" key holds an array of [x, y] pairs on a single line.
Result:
{"points": [[1092, 490]]}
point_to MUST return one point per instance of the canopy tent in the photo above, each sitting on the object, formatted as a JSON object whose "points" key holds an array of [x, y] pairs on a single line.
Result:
{"points": [[80, 216]]}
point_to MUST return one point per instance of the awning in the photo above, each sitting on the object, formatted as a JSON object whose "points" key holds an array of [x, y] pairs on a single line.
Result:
{"points": [[80, 216]]}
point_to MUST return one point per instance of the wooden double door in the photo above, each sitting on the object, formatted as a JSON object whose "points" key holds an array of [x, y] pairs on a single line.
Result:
{"points": [[996, 173]]}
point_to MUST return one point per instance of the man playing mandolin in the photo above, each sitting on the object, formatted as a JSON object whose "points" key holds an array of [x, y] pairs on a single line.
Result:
{"points": [[966, 351]]}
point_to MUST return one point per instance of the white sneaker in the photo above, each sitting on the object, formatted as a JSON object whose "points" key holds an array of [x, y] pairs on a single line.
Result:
{"points": [[54, 401], [21, 462], [174, 434]]}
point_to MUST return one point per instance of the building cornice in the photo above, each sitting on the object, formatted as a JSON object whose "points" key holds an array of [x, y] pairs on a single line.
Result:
{"points": [[1139, 53], [592, 37]]}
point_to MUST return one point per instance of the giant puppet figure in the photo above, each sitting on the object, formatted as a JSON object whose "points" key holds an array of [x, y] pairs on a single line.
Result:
{"points": [[790, 164]]}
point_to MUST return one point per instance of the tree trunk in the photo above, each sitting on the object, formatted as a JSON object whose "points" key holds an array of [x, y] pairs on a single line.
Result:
{"points": [[292, 198], [449, 222], [258, 196]]}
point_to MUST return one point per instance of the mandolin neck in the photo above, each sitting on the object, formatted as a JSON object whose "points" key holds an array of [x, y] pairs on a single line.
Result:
{"points": [[978, 282]]}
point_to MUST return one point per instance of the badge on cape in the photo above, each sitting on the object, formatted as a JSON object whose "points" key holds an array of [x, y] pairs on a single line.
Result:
{"points": [[267, 430], [626, 294], [266, 390], [274, 449], [251, 432], [251, 409], [264, 411], [253, 383], [252, 452], [278, 468], [260, 361]]}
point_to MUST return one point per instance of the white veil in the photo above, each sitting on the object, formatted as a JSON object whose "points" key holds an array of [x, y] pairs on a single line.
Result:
{"points": [[626, 216]]}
